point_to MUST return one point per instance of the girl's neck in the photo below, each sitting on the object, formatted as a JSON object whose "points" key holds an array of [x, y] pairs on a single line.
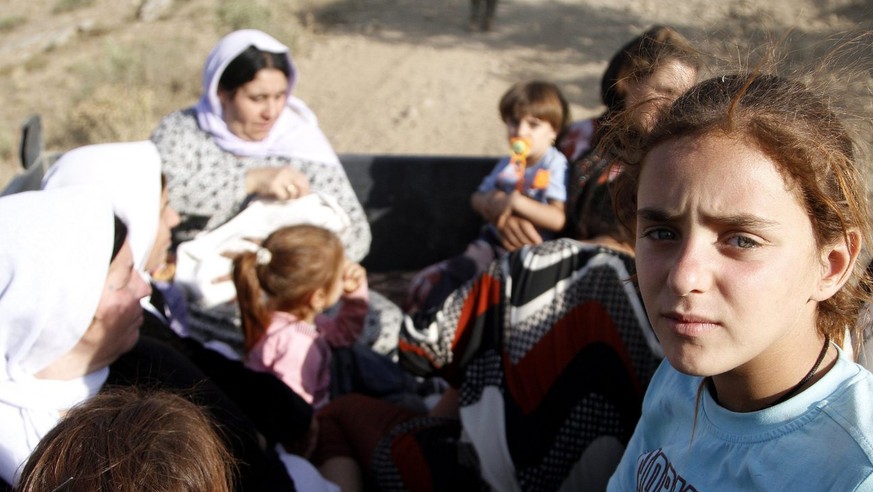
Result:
{"points": [[303, 315], [309, 317], [763, 387]]}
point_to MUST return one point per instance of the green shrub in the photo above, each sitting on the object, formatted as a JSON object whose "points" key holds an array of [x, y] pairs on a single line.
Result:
{"points": [[116, 95], [240, 14], [113, 113], [70, 5], [266, 16], [10, 23]]}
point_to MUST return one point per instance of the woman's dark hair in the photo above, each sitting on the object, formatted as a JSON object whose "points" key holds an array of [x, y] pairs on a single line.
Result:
{"points": [[640, 58], [244, 67], [120, 237], [594, 213]]}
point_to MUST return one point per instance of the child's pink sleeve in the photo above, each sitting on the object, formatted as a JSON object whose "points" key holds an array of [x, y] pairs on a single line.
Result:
{"points": [[292, 357], [346, 327]]}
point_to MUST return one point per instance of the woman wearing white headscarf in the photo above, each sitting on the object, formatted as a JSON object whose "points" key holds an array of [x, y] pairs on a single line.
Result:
{"points": [[249, 136], [130, 173], [69, 306], [69, 326]]}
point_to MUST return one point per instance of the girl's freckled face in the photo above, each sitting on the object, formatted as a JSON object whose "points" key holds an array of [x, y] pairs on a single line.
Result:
{"points": [[726, 255]]}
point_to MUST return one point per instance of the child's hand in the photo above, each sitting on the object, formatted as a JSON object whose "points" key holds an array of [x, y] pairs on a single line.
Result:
{"points": [[353, 275]]}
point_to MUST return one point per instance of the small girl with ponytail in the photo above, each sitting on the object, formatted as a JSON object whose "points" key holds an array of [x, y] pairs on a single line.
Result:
{"points": [[282, 289]]}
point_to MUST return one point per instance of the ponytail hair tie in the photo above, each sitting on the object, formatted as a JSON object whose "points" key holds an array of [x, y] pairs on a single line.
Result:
{"points": [[263, 256]]}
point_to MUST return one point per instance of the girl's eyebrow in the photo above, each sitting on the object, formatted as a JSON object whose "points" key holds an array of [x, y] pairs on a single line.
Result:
{"points": [[746, 221], [743, 221], [654, 214]]}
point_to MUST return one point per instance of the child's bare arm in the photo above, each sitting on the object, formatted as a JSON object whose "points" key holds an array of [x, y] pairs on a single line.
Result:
{"points": [[343, 329], [546, 216]]}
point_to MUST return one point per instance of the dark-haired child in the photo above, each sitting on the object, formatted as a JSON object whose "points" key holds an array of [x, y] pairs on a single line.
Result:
{"points": [[529, 184]]}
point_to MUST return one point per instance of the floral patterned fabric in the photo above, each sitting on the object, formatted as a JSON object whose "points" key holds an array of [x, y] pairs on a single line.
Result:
{"points": [[207, 182]]}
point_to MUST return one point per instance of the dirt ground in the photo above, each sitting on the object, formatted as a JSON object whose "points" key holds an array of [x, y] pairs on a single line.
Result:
{"points": [[384, 76]]}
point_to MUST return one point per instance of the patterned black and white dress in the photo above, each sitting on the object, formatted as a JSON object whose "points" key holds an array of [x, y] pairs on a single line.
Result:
{"points": [[551, 351]]}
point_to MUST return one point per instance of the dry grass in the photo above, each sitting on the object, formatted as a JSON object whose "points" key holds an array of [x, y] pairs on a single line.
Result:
{"points": [[11, 23], [97, 73], [112, 113]]}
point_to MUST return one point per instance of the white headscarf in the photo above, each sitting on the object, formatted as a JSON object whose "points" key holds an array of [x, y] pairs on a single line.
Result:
{"points": [[295, 133], [130, 173], [57, 246]]}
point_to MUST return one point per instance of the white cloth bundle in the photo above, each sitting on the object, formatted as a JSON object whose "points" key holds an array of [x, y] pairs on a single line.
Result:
{"points": [[201, 261]]}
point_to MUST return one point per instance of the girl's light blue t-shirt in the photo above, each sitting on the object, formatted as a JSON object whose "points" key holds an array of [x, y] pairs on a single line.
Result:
{"points": [[818, 440]]}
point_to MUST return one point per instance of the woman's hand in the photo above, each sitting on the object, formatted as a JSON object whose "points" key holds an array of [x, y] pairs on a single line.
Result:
{"points": [[499, 206], [281, 183], [493, 205], [353, 275]]}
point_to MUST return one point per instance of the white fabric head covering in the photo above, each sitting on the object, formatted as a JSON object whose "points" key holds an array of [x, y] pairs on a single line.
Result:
{"points": [[295, 133], [130, 174], [54, 260]]}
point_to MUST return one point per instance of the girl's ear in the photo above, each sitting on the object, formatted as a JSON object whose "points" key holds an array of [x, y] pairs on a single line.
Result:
{"points": [[318, 299], [837, 262]]}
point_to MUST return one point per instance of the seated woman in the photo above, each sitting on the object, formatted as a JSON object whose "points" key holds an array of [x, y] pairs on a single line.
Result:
{"points": [[130, 174], [658, 65], [549, 353], [126, 439], [69, 326], [248, 135]]}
